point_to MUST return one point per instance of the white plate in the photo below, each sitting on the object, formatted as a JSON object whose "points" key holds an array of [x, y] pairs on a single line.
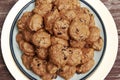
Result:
{"points": [[104, 59]]}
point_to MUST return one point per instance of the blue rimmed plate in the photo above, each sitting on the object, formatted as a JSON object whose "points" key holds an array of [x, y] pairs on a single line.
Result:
{"points": [[12, 53]]}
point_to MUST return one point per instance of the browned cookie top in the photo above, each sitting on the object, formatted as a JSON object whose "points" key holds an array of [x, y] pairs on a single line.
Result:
{"points": [[41, 39], [78, 31], [85, 67], [60, 28], [42, 53], [49, 20], [26, 60], [22, 22], [36, 22], [67, 71], [75, 56], [87, 54], [39, 66], [59, 54]]}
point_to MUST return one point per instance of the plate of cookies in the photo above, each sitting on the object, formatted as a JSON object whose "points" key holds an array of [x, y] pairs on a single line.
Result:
{"points": [[59, 40]]}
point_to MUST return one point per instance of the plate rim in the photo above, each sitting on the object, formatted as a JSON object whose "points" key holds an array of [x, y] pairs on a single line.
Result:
{"points": [[3, 33], [13, 50]]}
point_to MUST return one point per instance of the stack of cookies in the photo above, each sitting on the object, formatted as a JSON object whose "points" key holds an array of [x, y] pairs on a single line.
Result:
{"points": [[58, 37]]}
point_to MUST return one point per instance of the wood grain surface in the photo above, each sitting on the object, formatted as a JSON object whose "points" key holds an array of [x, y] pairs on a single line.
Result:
{"points": [[112, 5]]}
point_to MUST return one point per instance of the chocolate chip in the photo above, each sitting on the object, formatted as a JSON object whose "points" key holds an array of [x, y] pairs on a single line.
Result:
{"points": [[65, 58], [89, 45], [59, 33], [70, 51], [81, 20], [63, 49], [77, 30], [60, 70], [38, 64], [63, 27], [41, 25]]}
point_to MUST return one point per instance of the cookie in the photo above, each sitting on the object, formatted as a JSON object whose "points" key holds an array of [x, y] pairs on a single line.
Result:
{"points": [[94, 34], [87, 54], [67, 72], [60, 29], [36, 22], [97, 45], [55, 40], [85, 67], [42, 7], [27, 35], [75, 56], [22, 22], [41, 39], [26, 60], [42, 53], [78, 31], [19, 37], [58, 55], [84, 16], [26, 47], [92, 21], [66, 4], [21, 44], [49, 20], [38, 66]]}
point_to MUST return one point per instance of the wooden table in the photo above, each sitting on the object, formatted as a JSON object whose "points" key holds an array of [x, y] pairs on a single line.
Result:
{"points": [[112, 5]]}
